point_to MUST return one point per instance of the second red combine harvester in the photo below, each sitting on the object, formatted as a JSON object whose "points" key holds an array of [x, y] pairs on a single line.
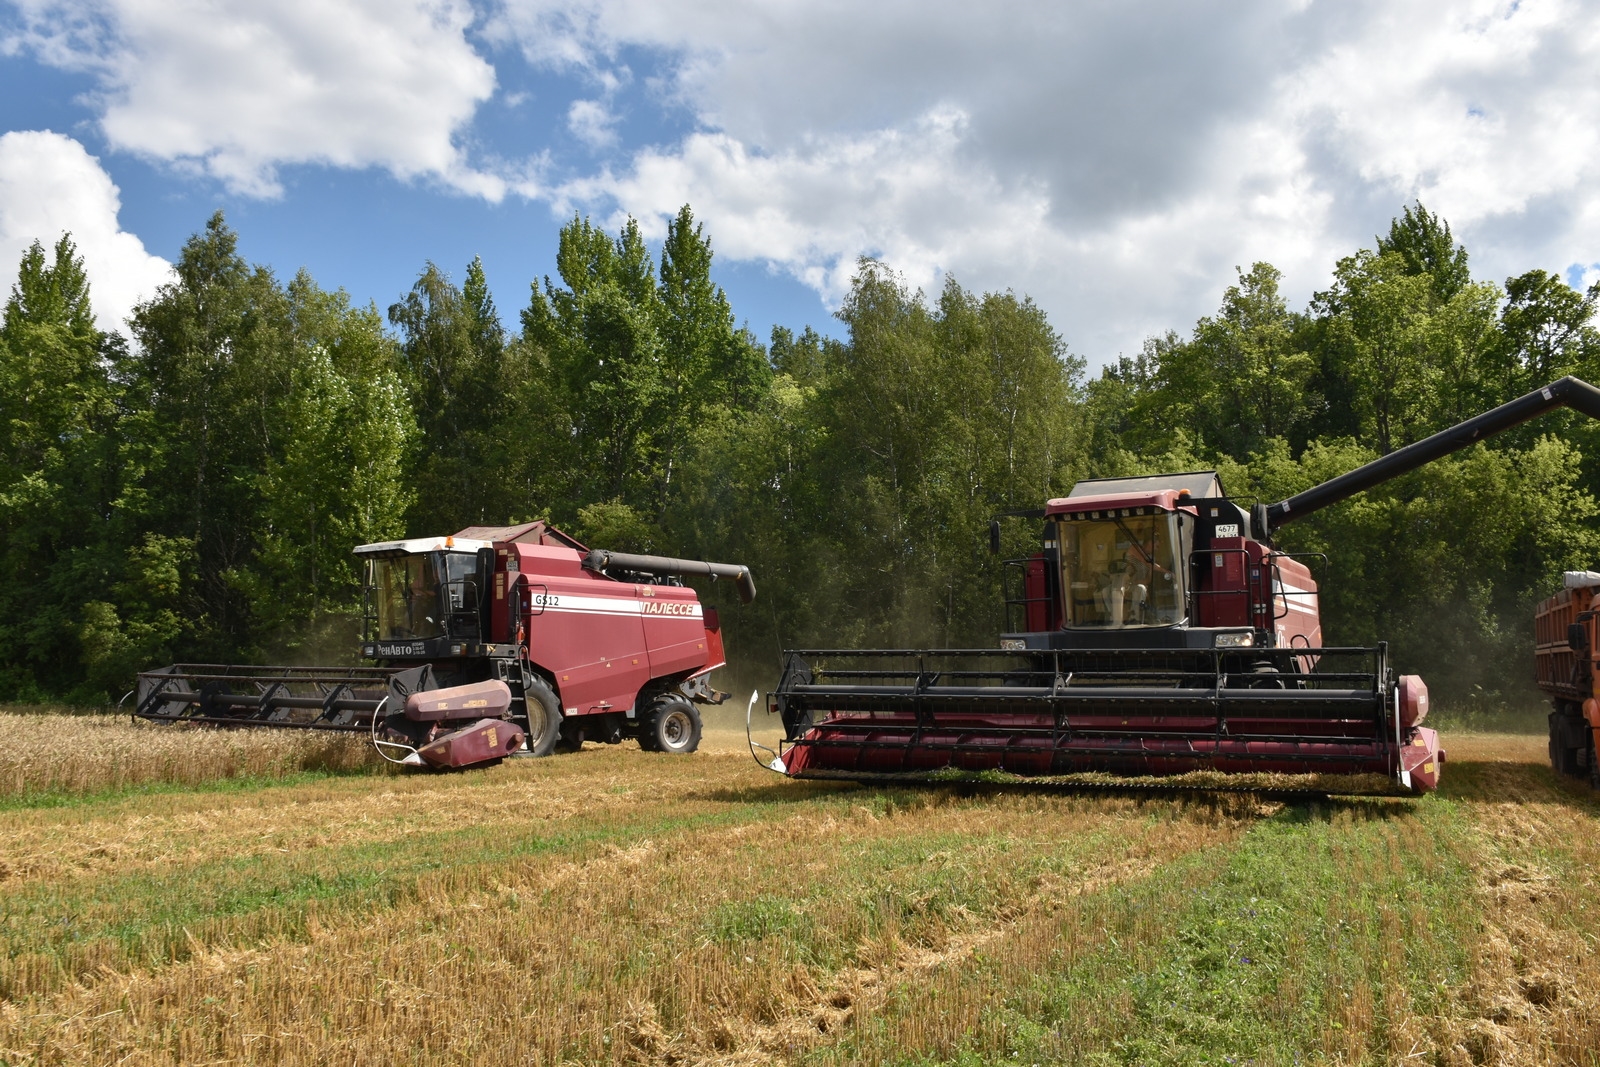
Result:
{"points": [[1156, 632], [488, 643]]}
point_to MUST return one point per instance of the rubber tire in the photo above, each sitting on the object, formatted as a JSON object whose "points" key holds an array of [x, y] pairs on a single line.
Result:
{"points": [[1565, 728], [1594, 769], [571, 739], [542, 705], [673, 727]]}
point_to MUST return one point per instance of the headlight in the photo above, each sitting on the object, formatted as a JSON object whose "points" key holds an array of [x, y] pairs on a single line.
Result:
{"points": [[1235, 640]]}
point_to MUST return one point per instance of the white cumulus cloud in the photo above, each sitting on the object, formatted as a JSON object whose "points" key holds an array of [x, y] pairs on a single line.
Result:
{"points": [[237, 89], [49, 186], [592, 123], [1115, 161]]}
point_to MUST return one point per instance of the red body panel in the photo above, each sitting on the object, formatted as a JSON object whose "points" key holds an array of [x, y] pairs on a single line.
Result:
{"points": [[1165, 499], [480, 700], [1041, 614], [1421, 758], [1244, 583], [1295, 610], [1412, 694], [484, 740], [715, 656], [601, 640], [1032, 743], [902, 748]]}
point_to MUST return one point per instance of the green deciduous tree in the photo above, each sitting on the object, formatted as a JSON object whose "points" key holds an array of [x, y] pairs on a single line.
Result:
{"points": [[59, 409], [341, 478], [623, 367], [863, 487], [1423, 243], [195, 494], [1410, 363], [453, 352]]}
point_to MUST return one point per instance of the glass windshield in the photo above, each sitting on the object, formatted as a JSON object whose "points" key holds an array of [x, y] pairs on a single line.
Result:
{"points": [[407, 592], [417, 594], [1122, 570]]}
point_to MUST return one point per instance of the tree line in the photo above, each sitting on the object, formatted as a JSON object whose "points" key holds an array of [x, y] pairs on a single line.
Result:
{"points": [[191, 491]]}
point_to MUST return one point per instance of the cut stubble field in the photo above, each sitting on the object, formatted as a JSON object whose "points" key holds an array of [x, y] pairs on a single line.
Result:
{"points": [[196, 896]]}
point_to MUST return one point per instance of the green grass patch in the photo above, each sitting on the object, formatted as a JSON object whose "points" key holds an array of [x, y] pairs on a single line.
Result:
{"points": [[156, 916], [1316, 937]]}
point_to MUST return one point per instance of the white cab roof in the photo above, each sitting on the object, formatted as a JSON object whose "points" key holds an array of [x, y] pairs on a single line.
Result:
{"points": [[422, 544]]}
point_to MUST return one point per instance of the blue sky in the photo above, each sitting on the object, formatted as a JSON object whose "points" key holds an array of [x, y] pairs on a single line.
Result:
{"points": [[1113, 161]]}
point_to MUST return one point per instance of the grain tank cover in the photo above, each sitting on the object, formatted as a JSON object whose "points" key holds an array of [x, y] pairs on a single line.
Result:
{"points": [[527, 533], [1198, 484]]}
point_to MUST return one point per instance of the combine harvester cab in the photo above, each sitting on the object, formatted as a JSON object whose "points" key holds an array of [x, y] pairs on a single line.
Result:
{"points": [[1158, 632], [491, 642]]}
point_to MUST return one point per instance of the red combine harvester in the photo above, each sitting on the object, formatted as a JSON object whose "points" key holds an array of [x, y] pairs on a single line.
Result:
{"points": [[1158, 632], [493, 641]]}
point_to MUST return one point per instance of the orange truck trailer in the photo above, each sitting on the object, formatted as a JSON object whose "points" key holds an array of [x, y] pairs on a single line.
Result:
{"points": [[1564, 665]]}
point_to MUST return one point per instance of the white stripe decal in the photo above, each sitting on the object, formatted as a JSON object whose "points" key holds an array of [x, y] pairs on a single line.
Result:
{"points": [[1288, 594], [563, 603]]}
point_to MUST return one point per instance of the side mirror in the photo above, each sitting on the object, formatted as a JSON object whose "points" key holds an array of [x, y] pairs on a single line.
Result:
{"points": [[994, 537], [1578, 637]]}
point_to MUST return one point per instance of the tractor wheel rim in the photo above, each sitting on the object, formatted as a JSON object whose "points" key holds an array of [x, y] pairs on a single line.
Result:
{"points": [[675, 729]]}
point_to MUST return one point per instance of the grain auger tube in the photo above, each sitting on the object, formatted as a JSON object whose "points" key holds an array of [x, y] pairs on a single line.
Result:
{"points": [[492, 642], [1157, 632]]}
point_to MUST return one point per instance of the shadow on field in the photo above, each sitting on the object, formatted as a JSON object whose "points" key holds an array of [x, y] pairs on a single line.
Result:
{"points": [[778, 792], [1506, 781], [1228, 803]]}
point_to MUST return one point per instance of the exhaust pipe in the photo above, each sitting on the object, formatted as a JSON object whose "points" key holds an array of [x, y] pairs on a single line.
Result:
{"points": [[600, 560]]}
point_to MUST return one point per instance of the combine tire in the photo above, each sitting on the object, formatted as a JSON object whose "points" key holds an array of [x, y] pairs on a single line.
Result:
{"points": [[673, 726], [544, 717]]}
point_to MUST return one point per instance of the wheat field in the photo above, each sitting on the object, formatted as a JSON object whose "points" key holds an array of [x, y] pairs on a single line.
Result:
{"points": [[199, 896]]}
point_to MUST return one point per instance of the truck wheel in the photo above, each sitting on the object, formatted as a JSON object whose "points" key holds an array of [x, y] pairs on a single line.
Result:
{"points": [[1569, 742], [544, 717], [673, 726]]}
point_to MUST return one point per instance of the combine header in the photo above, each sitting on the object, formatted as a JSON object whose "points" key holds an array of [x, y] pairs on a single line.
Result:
{"points": [[1158, 632], [491, 642]]}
